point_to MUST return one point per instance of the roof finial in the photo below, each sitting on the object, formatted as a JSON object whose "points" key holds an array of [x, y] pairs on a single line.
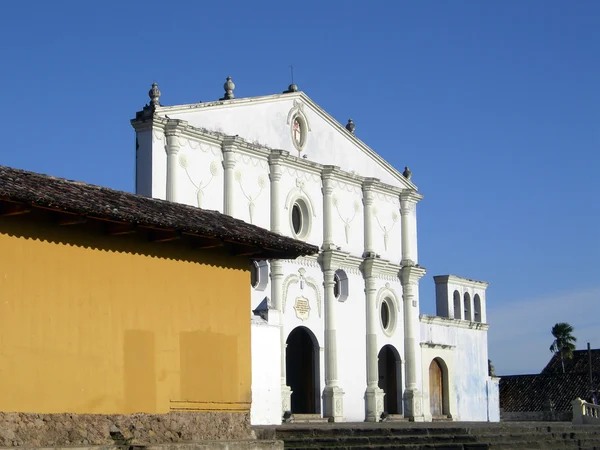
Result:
{"points": [[229, 87], [154, 94], [407, 173], [350, 126], [292, 87]]}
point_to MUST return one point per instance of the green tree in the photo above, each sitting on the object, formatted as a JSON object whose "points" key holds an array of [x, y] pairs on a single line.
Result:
{"points": [[564, 342]]}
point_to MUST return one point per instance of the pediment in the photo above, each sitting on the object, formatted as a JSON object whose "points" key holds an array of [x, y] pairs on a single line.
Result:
{"points": [[291, 122]]}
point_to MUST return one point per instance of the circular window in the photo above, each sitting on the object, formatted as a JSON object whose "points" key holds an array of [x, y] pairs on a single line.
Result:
{"points": [[254, 274]]}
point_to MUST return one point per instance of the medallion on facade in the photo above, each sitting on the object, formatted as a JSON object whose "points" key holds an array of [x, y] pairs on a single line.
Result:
{"points": [[302, 308], [299, 126]]}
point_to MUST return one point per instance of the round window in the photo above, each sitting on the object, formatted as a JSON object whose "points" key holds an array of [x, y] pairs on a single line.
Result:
{"points": [[385, 315], [254, 274]]}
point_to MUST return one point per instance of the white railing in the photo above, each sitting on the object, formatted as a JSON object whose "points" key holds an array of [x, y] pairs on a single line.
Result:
{"points": [[585, 413]]}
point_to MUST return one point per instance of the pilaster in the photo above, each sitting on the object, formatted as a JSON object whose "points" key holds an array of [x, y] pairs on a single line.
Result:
{"points": [[275, 174], [229, 147], [408, 213], [368, 200], [413, 398], [371, 266], [333, 395], [173, 131], [277, 300], [327, 177]]}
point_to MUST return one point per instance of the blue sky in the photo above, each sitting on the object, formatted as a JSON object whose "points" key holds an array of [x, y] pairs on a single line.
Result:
{"points": [[495, 106]]}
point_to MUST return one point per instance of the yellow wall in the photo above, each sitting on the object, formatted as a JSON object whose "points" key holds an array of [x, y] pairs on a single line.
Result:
{"points": [[114, 324]]}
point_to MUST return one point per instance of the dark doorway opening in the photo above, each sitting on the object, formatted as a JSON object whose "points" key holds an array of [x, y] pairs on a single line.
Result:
{"points": [[302, 371], [390, 374]]}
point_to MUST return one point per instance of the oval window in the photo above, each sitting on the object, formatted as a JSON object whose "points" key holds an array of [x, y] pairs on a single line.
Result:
{"points": [[385, 315], [254, 274], [297, 218], [337, 286]]}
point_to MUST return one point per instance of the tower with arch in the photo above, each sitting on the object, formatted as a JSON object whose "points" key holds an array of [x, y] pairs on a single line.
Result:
{"points": [[460, 298]]}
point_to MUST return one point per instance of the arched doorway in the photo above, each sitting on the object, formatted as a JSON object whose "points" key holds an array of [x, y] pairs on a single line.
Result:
{"points": [[437, 389], [390, 375], [302, 371]]}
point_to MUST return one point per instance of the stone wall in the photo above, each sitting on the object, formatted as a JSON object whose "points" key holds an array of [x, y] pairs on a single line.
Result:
{"points": [[46, 430]]}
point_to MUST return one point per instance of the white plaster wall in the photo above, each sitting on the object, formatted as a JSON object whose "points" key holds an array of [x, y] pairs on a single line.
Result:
{"points": [[251, 187], [386, 221], [266, 374], [493, 399], [351, 347], [304, 184], [347, 218], [151, 164], [200, 175], [469, 375], [264, 121]]}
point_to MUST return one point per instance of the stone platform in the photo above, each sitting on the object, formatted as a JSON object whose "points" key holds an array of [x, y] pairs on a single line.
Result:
{"points": [[441, 435]]}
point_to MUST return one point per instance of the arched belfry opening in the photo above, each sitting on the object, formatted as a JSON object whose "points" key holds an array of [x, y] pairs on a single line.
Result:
{"points": [[390, 379], [438, 388], [477, 308], [457, 307], [302, 371], [467, 300]]}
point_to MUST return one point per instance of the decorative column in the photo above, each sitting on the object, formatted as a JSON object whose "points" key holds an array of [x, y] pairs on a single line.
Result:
{"points": [[410, 274], [327, 178], [374, 394], [413, 398], [333, 395], [173, 131], [368, 199], [228, 147], [275, 174], [277, 300]]}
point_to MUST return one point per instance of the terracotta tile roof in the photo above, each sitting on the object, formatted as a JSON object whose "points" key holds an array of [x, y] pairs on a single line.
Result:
{"points": [[579, 363], [520, 393], [103, 203]]}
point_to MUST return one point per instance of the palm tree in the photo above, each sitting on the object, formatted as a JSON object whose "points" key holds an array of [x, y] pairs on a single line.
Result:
{"points": [[563, 341]]}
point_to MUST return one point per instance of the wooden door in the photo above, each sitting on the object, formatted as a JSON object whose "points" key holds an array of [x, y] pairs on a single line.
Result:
{"points": [[436, 393]]}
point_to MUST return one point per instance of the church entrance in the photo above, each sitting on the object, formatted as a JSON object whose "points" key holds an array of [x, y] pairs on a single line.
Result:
{"points": [[436, 388], [302, 371], [390, 375]]}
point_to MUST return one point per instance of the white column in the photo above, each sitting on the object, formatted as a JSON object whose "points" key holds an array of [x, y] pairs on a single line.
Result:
{"points": [[368, 199], [275, 174], [413, 398], [277, 300], [229, 145], [173, 131], [408, 203], [333, 406], [373, 395], [327, 178]]}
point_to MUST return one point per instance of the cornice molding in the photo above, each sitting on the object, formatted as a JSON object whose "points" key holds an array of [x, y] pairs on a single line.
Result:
{"points": [[456, 323], [376, 267], [466, 282]]}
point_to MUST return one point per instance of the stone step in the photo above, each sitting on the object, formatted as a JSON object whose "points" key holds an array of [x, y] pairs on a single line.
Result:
{"points": [[308, 418]]}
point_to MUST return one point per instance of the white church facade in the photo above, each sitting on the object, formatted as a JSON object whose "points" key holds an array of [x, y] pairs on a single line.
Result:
{"points": [[338, 335]]}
